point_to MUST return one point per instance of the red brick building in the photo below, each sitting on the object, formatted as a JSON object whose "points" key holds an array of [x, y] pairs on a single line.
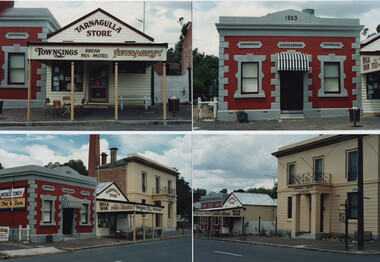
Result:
{"points": [[58, 202], [288, 64], [18, 26]]}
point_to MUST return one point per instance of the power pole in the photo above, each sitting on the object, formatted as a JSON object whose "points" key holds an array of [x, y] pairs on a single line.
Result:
{"points": [[360, 195]]}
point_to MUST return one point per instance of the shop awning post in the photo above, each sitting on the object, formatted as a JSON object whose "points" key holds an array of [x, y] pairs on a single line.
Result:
{"points": [[164, 89], [162, 227], [143, 217], [72, 91], [134, 226], [116, 90], [153, 227], [29, 87]]}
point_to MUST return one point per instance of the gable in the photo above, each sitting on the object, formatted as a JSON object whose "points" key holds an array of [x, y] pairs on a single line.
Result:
{"points": [[372, 46], [99, 27], [112, 192], [232, 201]]}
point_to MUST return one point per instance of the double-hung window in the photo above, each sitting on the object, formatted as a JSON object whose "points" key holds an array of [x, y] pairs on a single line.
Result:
{"points": [[332, 79], [290, 207], [84, 214], [48, 208], [16, 69], [291, 173], [143, 182], [318, 169], [249, 78]]}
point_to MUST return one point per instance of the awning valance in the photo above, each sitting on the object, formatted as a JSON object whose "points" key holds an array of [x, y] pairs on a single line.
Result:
{"points": [[292, 62], [71, 202]]}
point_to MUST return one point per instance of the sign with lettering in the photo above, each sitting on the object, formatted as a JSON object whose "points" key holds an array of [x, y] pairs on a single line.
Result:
{"points": [[13, 198], [148, 209], [370, 64], [98, 27], [220, 213], [291, 45], [98, 53], [105, 206], [4, 233]]}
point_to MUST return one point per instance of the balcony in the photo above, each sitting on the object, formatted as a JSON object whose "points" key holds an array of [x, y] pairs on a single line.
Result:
{"points": [[310, 178], [163, 191]]}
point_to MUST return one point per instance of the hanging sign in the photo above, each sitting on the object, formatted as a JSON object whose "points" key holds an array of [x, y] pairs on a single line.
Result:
{"points": [[4, 233]]}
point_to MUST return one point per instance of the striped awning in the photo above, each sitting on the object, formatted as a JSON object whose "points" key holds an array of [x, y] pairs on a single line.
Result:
{"points": [[71, 202], [292, 62]]}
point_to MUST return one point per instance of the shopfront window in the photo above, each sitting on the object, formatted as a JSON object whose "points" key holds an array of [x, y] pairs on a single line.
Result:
{"points": [[61, 76], [373, 85], [16, 71], [103, 220]]}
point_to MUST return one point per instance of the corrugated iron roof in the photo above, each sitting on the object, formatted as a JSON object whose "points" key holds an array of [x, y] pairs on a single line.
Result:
{"points": [[254, 199]]}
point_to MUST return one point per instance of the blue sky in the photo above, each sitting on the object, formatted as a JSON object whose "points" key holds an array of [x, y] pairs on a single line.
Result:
{"points": [[206, 14], [161, 16], [40, 149]]}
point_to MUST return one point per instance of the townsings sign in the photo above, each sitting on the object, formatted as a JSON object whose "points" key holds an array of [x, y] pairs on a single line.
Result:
{"points": [[13, 198], [116, 53]]}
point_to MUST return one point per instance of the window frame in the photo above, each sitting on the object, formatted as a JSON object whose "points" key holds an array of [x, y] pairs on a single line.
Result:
{"points": [[84, 213], [49, 212], [64, 69], [348, 176], [10, 69], [321, 158], [288, 173], [157, 184], [372, 79], [332, 58], [15, 49], [351, 206], [249, 77], [52, 199], [290, 207], [331, 78], [143, 181], [249, 58]]}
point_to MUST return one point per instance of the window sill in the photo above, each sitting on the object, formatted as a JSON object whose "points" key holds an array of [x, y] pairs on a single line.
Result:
{"points": [[84, 225], [249, 95], [14, 86], [341, 94], [42, 224]]}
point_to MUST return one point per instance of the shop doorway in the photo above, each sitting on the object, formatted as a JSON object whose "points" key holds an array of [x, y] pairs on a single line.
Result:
{"points": [[68, 217], [291, 91], [98, 83], [113, 223]]}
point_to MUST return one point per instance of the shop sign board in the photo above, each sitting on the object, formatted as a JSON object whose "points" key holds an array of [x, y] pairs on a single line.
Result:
{"points": [[370, 64], [106, 206], [291, 45], [220, 213], [4, 233], [13, 198], [148, 209], [98, 53]]}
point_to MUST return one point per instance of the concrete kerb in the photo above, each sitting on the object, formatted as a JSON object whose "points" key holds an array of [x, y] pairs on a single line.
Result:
{"points": [[49, 250], [96, 122], [356, 252]]}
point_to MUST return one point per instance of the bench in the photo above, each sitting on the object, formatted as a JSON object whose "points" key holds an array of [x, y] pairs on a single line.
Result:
{"points": [[134, 98]]}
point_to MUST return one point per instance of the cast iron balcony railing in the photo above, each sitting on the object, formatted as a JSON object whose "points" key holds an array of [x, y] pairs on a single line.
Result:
{"points": [[163, 191], [310, 178]]}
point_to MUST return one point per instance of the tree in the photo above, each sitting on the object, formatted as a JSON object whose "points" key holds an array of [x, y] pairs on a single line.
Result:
{"points": [[205, 79], [1, 166], [197, 193], [366, 31], [272, 192], [240, 191], [183, 198], [77, 165]]}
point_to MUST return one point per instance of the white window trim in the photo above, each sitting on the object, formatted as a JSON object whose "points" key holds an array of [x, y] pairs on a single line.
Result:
{"points": [[332, 58], [15, 49], [250, 58]]}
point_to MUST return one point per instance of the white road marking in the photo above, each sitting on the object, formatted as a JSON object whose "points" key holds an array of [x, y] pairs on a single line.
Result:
{"points": [[230, 254]]}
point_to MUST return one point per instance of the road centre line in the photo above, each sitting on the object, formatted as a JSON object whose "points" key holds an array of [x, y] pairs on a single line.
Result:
{"points": [[230, 254]]}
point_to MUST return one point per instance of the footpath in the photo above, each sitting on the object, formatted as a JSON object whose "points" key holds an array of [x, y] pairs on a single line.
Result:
{"points": [[335, 245], [22, 249]]}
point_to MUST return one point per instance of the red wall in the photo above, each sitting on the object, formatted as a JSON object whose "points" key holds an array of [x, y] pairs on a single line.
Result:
{"points": [[19, 93], [269, 47], [16, 217]]}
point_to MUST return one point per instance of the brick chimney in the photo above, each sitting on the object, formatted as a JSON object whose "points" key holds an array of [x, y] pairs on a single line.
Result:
{"points": [[93, 155], [104, 158], [113, 155]]}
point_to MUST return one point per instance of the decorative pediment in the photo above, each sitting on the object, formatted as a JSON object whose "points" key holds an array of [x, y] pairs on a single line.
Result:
{"points": [[112, 192], [99, 27], [232, 201]]}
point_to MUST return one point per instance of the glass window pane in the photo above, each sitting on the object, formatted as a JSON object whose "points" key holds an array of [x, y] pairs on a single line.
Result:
{"points": [[47, 206], [17, 76], [16, 61], [331, 70], [249, 69], [47, 217], [331, 85], [250, 85]]}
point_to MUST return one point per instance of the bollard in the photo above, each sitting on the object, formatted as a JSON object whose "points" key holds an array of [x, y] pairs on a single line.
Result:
{"points": [[27, 233], [19, 233], [215, 106], [200, 113]]}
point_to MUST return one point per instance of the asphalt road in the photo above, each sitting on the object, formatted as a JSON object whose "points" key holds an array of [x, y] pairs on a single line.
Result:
{"points": [[157, 251], [222, 251]]}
